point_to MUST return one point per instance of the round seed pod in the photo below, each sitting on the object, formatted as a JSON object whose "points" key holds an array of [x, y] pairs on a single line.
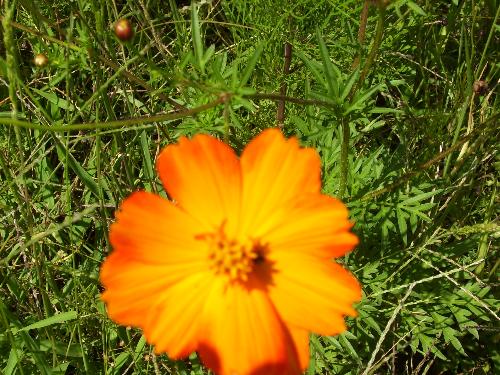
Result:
{"points": [[40, 60], [124, 30]]}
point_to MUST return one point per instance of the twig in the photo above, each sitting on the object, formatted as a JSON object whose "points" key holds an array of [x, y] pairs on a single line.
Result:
{"points": [[155, 364]]}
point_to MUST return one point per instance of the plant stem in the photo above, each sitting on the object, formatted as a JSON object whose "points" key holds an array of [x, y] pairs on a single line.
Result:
{"points": [[344, 157], [374, 50], [363, 19], [112, 124], [346, 132], [482, 251]]}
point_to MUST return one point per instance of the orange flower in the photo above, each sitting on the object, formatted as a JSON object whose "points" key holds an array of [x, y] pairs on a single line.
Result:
{"points": [[239, 266]]}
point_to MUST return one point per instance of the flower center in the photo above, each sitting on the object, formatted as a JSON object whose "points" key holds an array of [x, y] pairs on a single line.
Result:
{"points": [[231, 258]]}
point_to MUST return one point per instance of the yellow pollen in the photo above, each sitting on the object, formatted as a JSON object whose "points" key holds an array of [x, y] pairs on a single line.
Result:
{"points": [[231, 258]]}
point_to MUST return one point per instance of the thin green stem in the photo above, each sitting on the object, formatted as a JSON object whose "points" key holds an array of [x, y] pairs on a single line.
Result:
{"points": [[344, 157], [227, 121], [10, 58], [112, 124], [493, 28], [482, 251]]}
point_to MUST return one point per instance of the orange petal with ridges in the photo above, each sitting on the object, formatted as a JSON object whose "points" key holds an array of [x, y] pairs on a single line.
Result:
{"points": [[313, 294], [155, 261], [314, 224], [157, 300], [243, 334], [173, 323], [151, 229], [203, 175], [275, 170]]}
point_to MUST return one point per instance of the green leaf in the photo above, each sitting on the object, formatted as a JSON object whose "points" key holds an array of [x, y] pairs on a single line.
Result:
{"points": [[348, 86], [55, 319], [120, 360], [413, 222], [15, 356], [146, 156], [347, 344], [416, 212], [416, 8], [67, 350], [426, 341], [60, 369], [250, 65], [450, 336], [473, 331], [384, 110], [331, 77], [196, 34], [208, 54], [403, 228], [311, 65], [373, 324], [140, 346], [420, 197], [462, 317], [54, 99], [86, 178], [360, 100]]}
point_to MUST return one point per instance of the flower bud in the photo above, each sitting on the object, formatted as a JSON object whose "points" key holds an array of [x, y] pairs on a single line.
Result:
{"points": [[40, 60], [124, 30]]}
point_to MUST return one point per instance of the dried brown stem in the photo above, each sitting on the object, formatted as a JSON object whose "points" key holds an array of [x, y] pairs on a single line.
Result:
{"points": [[361, 32], [280, 115]]}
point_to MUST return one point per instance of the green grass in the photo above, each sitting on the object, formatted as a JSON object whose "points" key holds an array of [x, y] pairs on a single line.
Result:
{"points": [[406, 137]]}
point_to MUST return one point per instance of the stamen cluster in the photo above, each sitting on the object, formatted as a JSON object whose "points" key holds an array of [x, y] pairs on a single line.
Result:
{"points": [[234, 259]]}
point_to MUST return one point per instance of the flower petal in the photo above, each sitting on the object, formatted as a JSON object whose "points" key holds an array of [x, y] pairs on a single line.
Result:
{"points": [[151, 229], [156, 262], [311, 293], [203, 175], [162, 301], [173, 325], [300, 339], [275, 171], [315, 224], [244, 335]]}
